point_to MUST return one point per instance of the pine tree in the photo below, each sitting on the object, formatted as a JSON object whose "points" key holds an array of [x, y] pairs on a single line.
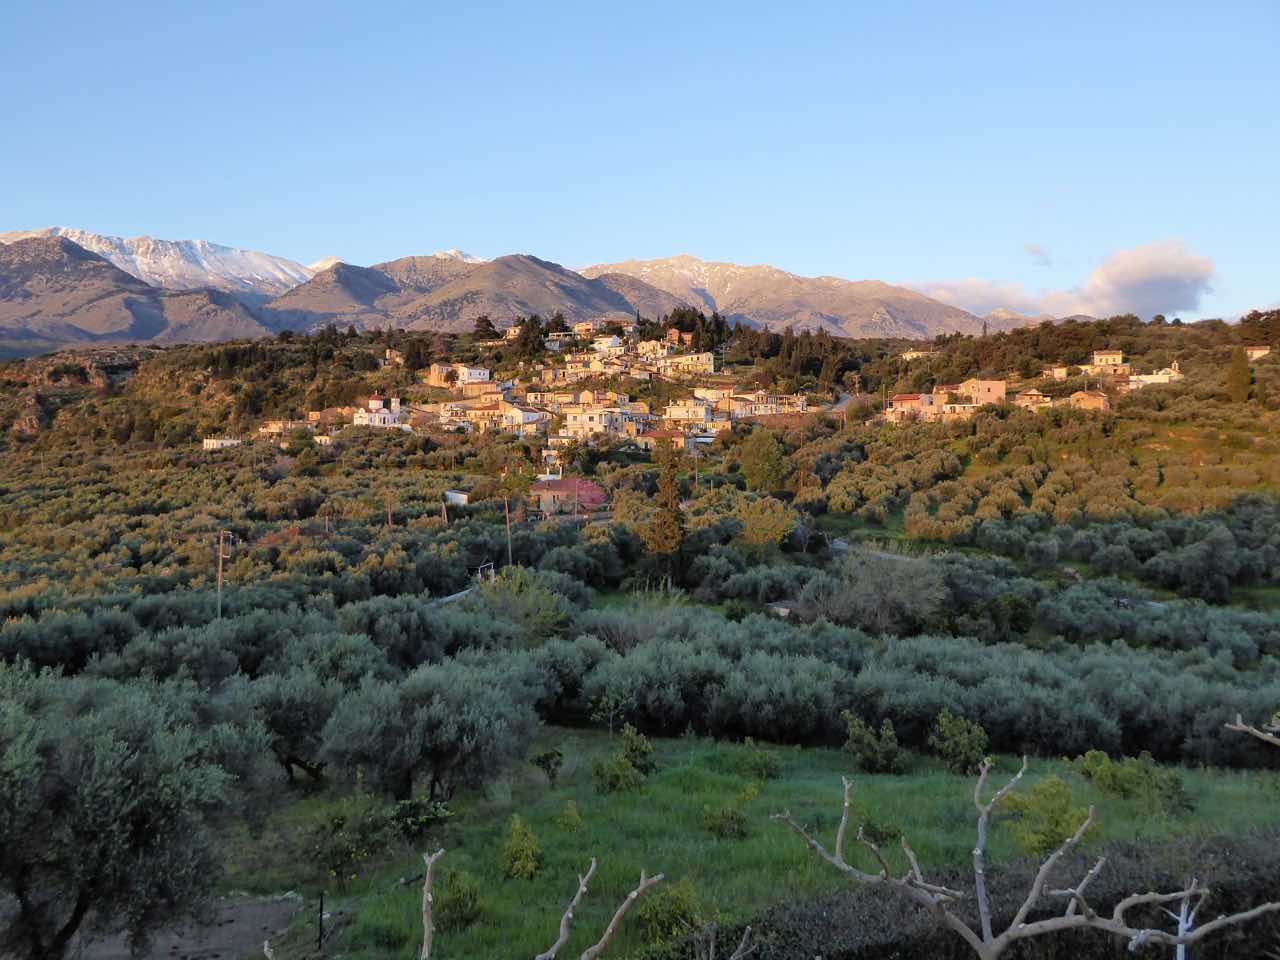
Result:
{"points": [[484, 329], [1238, 377], [663, 535]]}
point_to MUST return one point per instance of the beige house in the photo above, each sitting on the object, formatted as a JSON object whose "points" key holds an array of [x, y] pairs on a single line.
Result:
{"points": [[1031, 399], [689, 413], [1093, 400], [982, 391], [1256, 353]]}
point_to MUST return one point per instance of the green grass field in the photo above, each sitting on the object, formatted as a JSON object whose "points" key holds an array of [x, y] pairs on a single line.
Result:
{"points": [[661, 830]]}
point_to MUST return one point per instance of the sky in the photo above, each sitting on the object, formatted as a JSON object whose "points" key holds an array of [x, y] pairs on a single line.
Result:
{"points": [[1060, 157]]}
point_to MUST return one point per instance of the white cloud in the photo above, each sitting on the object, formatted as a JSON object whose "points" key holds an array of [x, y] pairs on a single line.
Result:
{"points": [[1038, 254], [1161, 277]]}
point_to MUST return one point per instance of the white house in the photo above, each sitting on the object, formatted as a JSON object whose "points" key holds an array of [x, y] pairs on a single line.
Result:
{"points": [[455, 375], [221, 443]]}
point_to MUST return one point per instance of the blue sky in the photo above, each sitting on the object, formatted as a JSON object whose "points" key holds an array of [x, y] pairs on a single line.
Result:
{"points": [[1032, 155]]}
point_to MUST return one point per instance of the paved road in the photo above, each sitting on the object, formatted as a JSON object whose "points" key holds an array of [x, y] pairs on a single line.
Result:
{"points": [[843, 400]]}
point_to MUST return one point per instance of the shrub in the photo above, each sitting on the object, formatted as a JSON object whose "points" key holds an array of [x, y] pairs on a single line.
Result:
{"points": [[669, 912], [727, 821], [756, 763], [415, 817], [570, 821], [961, 745], [521, 857], [359, 828], [873, 752], [1045, 816], [1135, 778], [549, 762], [615, 775], [458, 903], [638, 751]]}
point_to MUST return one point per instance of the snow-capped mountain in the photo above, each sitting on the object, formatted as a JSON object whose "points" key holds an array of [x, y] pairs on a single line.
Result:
{"points": [[185, 264], [458, 255], [324, 263]]}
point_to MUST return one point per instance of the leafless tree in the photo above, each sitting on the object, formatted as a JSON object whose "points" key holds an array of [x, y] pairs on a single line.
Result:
{"points": [[593, 952], [985, 942]]}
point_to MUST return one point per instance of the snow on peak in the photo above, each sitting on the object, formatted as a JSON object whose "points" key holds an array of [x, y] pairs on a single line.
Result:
{"points": [[456, 254], [184, 264], [324, 263]]}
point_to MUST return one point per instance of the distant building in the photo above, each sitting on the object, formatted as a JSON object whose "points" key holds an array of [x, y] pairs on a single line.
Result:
{"points": [[457, 498], [1170, 374], [382, 413], [918, 354], [679, 440], [1256, 353], [1093, 400], [983, 391], [1031, 399], [1108, 363], [568, 495], [686, 363], [276, 428], [689, 413], [455, 375], [221, 443], [1056, 372], [392, 358]]}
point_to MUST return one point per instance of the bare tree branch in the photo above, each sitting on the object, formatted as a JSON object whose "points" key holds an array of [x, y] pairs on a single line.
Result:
{"points": [[428, 923], [704, 944], [591, 953], [1267, 734], [567, 920], [1078, 914]]}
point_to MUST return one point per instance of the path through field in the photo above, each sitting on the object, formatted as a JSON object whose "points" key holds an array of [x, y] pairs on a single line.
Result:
{"points": [[237, 932]]}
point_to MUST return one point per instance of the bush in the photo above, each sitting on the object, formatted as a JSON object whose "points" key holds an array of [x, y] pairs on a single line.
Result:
{"points": [[458, 903], [756, 763], [549, 762], [1135, 778], [669, 912], [521, 857], [414, 818], [615, 775], [570, 821], [873, 752], [961, 745], [358, 829], [1045, 816], [727, 821], [638, 751]]}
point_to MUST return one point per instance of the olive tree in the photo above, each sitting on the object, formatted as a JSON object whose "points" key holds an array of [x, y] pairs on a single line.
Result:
{"points": [[105, 796], [456, 723]]}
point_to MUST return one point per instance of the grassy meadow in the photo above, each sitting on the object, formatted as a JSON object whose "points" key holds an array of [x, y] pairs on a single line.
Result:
{"points": [[662, 829]]}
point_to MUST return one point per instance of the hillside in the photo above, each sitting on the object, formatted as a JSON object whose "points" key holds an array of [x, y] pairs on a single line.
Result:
{"points": [[447, 292], [184, 264], [765, 296], [53, 292]]}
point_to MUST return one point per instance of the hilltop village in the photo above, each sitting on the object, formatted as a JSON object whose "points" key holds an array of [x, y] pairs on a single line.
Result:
{"points": [[609, 382]]}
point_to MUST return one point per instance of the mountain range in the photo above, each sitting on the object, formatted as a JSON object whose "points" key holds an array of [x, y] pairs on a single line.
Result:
{"points": [[64, 286]]}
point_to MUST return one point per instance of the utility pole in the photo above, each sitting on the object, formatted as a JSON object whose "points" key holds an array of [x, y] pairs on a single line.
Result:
{"points": [[388, 510], [506, 510], [222, 555]]}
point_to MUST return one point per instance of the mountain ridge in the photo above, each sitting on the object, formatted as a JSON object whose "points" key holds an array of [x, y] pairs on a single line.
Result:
{"points": [[184, 264], [766, 296]]}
